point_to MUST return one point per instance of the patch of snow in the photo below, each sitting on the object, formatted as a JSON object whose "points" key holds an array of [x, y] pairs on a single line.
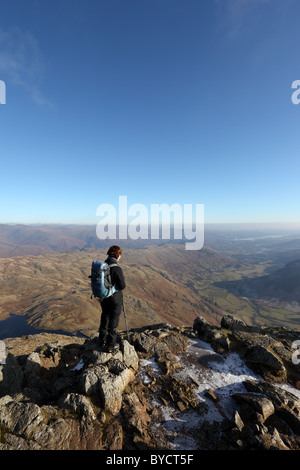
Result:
{"points": [[151, 363], [289, 388], [223, 374], [180, 429]]}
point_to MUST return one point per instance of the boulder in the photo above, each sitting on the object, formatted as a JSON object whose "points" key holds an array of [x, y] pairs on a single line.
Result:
{"points": [[79, 404], [254, 403], [135, 414], [65, 394], [231, 322], [11, 376], [165, 358], [130, 357], [19, 418], [89, 379], [144, 343], [111, 388], [266, 362]]}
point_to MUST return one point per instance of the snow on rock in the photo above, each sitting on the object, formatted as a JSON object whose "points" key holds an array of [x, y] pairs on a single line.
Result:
{"points": [[222, 374], [211, 371]]}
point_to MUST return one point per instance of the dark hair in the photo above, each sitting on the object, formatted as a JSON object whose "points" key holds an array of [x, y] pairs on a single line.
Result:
{"points": [[114, 251]]}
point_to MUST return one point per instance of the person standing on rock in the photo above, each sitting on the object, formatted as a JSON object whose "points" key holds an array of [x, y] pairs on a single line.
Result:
{"points": [[112, 306]]}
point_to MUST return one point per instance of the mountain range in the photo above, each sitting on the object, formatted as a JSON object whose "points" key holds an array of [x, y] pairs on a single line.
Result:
{"points": [[53, 289], [22, 240], [44, 273], [188, 374]]}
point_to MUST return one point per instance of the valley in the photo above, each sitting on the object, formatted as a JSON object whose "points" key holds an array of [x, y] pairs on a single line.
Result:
{"points": [[53, 290], [165, 282]]}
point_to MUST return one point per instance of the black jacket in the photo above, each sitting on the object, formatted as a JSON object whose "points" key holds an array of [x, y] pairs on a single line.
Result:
{"points": [[117, 276]]}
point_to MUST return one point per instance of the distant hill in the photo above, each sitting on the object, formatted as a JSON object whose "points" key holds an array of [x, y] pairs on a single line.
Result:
{"points": [[22, 240], [53, 289], [44, 275], [282, 285]]}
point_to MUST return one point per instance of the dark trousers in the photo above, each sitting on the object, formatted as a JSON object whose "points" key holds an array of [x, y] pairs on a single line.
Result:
{"points": [[111, 312]]}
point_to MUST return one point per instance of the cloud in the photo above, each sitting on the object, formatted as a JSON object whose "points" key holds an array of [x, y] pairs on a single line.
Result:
{"points": [[22, 63]]}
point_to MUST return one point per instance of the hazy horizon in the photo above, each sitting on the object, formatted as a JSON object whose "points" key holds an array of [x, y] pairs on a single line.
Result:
{"points": [[210, 225]]}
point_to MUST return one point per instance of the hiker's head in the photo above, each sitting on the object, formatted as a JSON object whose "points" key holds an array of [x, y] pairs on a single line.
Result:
{"points": [[115, 252]]}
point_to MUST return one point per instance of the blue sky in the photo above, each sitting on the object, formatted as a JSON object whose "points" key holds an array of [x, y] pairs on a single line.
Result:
{"points": [[164, 101]]}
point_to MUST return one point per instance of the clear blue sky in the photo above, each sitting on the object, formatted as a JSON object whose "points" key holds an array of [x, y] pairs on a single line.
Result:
{"points": [[164, 101]]}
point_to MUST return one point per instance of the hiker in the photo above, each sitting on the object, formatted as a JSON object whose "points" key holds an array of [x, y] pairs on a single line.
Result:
{"points": [[112, 306]]}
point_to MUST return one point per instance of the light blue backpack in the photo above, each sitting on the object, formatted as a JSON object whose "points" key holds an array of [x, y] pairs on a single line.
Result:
{"points": [[101, 280]]}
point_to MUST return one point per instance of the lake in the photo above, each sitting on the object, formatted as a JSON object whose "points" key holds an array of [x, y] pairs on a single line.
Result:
{"points": [[16, 326]]}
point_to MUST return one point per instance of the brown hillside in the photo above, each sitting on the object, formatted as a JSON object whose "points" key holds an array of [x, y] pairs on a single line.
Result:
{"points": [[53, 290]]}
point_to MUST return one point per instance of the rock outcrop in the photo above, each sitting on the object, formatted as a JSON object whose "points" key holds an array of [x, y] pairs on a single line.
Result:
{"points": [[65, 393], [268, 417], [268, 351]]}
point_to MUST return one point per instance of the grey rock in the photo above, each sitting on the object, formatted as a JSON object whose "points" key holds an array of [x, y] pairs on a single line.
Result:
{"points": [[19, 418], [231, 322], [144, 343], [13, 442], [11, 376], [130, 357], [238, 422], [104, 403], [199, 324], [135, 414], [258, 403], [264, 359], [112, 386], [79, 404], [90, 379]]}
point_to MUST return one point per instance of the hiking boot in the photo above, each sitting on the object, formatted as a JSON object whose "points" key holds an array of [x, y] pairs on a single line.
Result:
{"points": [[112, 349]]}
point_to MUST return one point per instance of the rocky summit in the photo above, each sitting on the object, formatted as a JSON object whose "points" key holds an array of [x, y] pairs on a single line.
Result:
{"points": [[179, 388]]}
